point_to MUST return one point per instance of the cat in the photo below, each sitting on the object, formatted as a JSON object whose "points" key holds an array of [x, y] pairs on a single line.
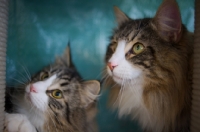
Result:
{"points": [[149, 67], [55, 100]]}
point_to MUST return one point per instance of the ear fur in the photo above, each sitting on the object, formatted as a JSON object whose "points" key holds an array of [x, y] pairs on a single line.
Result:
{"points": [[120, 16], [65, 59], [90, 92], [67, 56], [168, 21]]}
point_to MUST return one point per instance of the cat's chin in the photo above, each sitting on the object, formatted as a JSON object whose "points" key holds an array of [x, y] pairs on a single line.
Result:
{"points": [[118, 79], [122, 81]]}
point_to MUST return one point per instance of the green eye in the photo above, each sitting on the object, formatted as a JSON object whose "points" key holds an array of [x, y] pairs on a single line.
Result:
{"points": [[138, 48], [57, 94], [44, 75]]}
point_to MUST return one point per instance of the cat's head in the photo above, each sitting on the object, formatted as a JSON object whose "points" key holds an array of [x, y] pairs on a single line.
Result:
{"points": [[141, 47], [59, 92]]}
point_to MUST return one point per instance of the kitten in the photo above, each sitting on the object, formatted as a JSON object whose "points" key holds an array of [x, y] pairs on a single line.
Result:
{"points": [[149, 68], [55, 100]]}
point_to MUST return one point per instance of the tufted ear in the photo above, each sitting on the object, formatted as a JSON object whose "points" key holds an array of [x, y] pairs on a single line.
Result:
{"points": [[120, 16], [67, 56], [168, 21], [65, 59], [90, 92]]}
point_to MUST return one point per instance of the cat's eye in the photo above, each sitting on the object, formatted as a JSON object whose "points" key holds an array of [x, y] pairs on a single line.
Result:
{"points": [[57, 94], [138, 48], [45, 75]]}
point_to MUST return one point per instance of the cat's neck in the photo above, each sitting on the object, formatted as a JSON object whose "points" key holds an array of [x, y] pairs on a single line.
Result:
{"points": [[129, 93]]}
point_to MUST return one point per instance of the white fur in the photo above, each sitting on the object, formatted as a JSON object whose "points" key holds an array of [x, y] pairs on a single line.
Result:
{"points": [[33, 105], [129, 101], [35, 116], [40, 98], [123, 70], [119, 53], [18, 123]]}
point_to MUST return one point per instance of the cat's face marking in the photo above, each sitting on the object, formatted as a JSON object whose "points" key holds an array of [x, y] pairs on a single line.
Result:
{"points": [[57, 99], [122, 69], [132, 51], [160, 50], [36, 92]]}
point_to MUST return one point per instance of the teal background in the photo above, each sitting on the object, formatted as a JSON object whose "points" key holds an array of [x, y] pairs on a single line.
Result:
{"points": [[39, 30]]}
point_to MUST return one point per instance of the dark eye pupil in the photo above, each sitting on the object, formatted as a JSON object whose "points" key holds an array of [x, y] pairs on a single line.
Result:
{"points": [[138, 47], [57, 94]]}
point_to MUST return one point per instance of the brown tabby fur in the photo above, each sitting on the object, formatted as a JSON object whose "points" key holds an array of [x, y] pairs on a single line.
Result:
{"points": [[167, 67], [74, 112]]}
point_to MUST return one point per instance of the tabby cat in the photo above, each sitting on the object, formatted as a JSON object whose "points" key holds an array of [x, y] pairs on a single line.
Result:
{"points": [[55, 100], [149, 69]]}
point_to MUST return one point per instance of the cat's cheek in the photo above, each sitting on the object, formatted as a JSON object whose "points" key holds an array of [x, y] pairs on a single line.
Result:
{"points": [[39, 100], [118, 80], [126, 72], [113, 74], [135, 73]]}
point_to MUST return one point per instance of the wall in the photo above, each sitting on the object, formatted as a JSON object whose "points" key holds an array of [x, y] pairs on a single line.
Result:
{"points": [[39, 30]]}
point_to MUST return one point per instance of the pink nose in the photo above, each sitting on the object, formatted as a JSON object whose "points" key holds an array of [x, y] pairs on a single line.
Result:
{"points": [[111, 65], [32, 89]]}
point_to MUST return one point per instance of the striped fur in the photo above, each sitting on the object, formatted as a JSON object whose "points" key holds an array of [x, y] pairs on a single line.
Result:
{"points": [[74, 112], [153, 86]]}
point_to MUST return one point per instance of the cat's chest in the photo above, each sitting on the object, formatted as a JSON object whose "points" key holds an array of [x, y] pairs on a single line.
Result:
{"points": [[36, 118], [130, 100]]}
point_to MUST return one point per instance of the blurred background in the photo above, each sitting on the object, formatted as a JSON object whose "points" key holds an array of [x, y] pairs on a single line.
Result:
{"points": [[39, 30]]}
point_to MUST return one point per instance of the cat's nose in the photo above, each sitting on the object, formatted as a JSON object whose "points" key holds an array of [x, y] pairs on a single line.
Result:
{"points": [[33, 89], [111, 65]]}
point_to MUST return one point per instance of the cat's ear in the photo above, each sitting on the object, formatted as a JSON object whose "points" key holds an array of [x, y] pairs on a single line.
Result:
{"points": [[168, 21], [67, 56], [65, 59], [90, 92], [120, 16]]}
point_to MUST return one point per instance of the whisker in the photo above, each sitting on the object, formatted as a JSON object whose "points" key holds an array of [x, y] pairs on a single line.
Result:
{"points": [[40, 102], [18, 81], [99, 75], [103, 72], [117, 97], [130, 87], [26, 71], [113, 85], [106, 79], [48, 114], [119, 94], [22, 76], [31, 104], [122, 87], [13, 86]]}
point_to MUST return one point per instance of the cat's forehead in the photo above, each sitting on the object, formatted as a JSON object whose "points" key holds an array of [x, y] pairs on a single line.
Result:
{"points": [[131, 29], [61, 72], [137, 31], [65, 84], [68, 81]]}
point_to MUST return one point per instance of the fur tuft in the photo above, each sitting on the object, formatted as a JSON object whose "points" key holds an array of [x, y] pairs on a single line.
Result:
{"points": [[152, 86]]}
